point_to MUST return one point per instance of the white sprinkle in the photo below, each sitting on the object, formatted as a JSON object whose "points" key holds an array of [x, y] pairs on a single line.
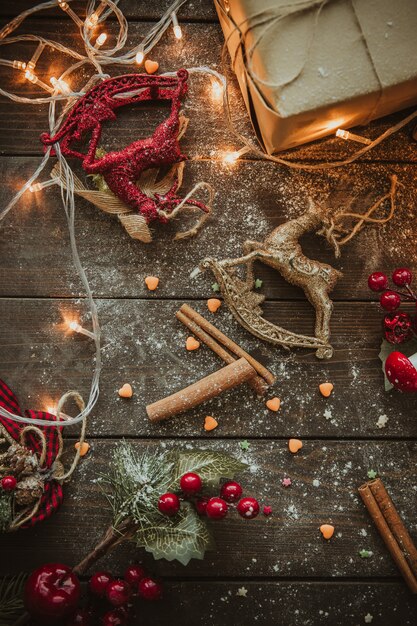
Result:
{"points": [[242, 592]]}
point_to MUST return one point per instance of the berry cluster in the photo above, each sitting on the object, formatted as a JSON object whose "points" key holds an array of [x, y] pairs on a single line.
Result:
{"points": [[398, 325], [191, 486], [53, 591]]}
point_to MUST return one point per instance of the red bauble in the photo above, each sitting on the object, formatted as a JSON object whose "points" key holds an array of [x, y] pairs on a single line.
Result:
{"points": [[397, 327], [231, 491], [114, 618], [377, 281], [9, 483], [51, 593], [216, 508], [201, 506], [191, 484], [402, 276], [169, 504], [81, 617], [150, 589], [99, 583], [134, 574], [248, 508], [390, 301], [118, 592]]}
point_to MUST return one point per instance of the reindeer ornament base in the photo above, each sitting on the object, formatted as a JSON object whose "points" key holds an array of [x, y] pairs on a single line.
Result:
{"points": [[281, 251]]}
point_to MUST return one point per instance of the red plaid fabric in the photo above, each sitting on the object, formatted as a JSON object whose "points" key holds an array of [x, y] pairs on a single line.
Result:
{"points": [[53, 492]]}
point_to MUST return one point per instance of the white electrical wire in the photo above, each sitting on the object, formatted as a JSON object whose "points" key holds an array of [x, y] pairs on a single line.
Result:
{"points": [[96, 58]]}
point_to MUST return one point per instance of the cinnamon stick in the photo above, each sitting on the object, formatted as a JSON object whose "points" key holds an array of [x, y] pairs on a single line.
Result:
{"points": [[257, 383], [229, 343], [209, 387], [381, 510]]}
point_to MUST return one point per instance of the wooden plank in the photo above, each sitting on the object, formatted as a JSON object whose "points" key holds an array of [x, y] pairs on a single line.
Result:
{"points": [[285, 545], [293, 603], [207, 133], [143, 344], [251, 199]]}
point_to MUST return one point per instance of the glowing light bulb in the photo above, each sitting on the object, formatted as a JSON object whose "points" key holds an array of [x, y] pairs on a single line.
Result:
{"points": [[77, 328], [175, 26], [60, 85], [348, 136], [101, 39], [91, 22], [140, 55], [216, 91], [19, 65], [51, 409], [35, 187], [31, 77], [230, 158]]}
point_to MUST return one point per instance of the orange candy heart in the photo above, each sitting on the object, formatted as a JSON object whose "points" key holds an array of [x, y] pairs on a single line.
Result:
{"points": [[327, 530], [152, 282], [82, 447], [126, 391], [192, 343], [210, 423], [294, 445], [326, 389], [151, 66], [213, 304], [273, 404]]}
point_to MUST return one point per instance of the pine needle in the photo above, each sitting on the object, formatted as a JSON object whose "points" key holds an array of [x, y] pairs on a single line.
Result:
{"points": [[11, 598]]}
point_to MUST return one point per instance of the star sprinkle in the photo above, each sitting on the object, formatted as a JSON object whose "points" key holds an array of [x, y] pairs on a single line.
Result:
{"points": [[215, 287], [382, 421], [244, 445], [286, 482], [258, 283], [372, 474], [242, 592], [365, 554], [267, 510], [368, 618]]}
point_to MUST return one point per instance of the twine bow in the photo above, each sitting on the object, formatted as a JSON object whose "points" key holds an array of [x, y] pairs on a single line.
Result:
{"points": [[47, 443]]}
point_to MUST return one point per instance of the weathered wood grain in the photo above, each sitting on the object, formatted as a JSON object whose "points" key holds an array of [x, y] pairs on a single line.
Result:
{"points": [[251, 199], [144, 344], [207, 132], [283, 603], [286, 544]]}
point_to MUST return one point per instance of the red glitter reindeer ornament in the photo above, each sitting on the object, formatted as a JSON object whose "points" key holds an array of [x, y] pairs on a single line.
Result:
{"points": [[122, 169]]}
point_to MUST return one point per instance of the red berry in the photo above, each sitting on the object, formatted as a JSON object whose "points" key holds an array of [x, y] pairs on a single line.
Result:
{"points": [[389, 300], [114, 618], [216, 508], [118, 592], [99, 583], [149, 589], [201, 506], [231, 491], [397, 327], [9, 483], [248, 508], [169, 504], [51, 593], [191, 483], [377, 281], [134, 574], [402, 276], [81, 617]]}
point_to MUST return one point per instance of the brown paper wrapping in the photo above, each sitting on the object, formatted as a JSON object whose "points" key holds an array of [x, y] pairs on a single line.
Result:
{"points": [[319, 65]]}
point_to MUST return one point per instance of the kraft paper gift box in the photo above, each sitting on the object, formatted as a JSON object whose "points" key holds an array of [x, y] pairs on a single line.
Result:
{"points": [[306, 68]]}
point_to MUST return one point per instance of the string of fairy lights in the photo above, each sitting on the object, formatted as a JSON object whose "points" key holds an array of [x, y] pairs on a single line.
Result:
{"points": [[100, 50]]}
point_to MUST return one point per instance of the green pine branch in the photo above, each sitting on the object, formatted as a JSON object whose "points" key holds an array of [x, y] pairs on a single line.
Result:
{"points": [[11, 598]]}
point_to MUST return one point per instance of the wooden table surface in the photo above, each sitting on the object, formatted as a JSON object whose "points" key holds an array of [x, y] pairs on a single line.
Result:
{"points": [[292, 576]]}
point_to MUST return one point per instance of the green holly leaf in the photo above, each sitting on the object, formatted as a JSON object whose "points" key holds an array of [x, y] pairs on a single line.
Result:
{"points": [[187, 539], [408, 348], [210, 466], [258, 283], [215, 287], [372, 474]]}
